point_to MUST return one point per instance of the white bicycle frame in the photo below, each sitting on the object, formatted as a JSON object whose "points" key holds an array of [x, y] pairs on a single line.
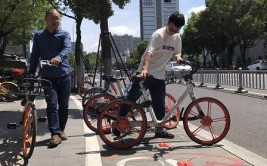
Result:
{"points": [[158, 123]]}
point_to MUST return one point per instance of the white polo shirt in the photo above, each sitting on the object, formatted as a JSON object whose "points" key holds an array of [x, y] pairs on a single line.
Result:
{"points": [[162, 46]]}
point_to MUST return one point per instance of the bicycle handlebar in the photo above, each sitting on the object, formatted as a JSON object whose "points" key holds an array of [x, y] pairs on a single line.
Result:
{"points": [[42, 64], [193, 64], [46, 63]]}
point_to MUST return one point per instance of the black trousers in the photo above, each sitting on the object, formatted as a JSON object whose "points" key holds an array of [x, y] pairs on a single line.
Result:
{"points": [[157, 90]]}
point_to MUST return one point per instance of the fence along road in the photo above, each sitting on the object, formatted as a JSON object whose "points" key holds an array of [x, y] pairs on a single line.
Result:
{"points": [[239, 78]]}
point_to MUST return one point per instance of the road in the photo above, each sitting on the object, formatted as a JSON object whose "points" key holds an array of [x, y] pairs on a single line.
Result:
{"points": [[247, 137], [248, 117]]}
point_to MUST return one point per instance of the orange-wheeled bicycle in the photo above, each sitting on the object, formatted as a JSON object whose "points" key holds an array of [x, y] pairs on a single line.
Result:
{"points": [[85, 85], [30, 88], [206, 120], [96, 102]]}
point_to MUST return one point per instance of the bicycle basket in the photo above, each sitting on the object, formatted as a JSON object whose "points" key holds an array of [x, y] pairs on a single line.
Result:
{"points": [[35, 87]]}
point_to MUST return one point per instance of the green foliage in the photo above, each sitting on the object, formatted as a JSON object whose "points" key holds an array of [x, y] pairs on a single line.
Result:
{"points": [[135, 57], [18, 20], [141, 47], [90, 61], [225, 24], [191, 37], [72, 60]]}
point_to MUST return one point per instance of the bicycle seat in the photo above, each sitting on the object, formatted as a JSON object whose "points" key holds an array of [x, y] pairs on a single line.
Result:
{"points": [[111, 78]]}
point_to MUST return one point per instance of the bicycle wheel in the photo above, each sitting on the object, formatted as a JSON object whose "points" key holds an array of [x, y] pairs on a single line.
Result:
{"points": [[124, 133], [90, 92], [83, 87], [29, 131], [209, 126], [93, 107], [11, 91], [169, 102]]}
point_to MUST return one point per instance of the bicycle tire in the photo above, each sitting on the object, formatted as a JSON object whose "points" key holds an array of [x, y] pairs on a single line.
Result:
{"points": [[12, 88], [90, 92], [29, 131], [169, 102], [131, 129], [209, 128], [93, 107], [83, 87]]}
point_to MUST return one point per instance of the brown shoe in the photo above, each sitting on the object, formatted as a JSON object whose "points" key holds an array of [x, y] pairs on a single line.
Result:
{"points": [[55, 140], [63, 136]]}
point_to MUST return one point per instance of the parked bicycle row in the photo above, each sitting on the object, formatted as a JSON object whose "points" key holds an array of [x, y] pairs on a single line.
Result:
{"points": [[102, 108]]}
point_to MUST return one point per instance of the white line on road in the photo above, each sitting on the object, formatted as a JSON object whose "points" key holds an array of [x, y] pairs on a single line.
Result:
{"points": [[93, 156]]}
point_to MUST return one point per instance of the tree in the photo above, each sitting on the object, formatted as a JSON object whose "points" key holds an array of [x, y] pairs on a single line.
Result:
{"points": [[246, 19], [135, 57], [90, 61], [191, 39], [18, 20], [99, 11], [204, 26], [223, 25]]}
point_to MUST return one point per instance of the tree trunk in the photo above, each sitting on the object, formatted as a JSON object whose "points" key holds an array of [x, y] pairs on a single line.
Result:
{"points": [[214, 59], [230, 53], [242, 46], [78, 52], [105, 42], [3, 43]]}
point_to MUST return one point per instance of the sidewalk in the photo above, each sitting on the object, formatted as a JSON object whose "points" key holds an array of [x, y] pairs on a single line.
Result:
{"points": [[85, 148]]}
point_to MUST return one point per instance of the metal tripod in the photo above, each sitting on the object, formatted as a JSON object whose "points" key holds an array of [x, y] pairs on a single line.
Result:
{"points": [[116, 54]]}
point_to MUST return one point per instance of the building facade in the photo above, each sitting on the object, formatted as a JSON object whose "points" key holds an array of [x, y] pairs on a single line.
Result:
{"points": [[125, 45], [154, 14]]}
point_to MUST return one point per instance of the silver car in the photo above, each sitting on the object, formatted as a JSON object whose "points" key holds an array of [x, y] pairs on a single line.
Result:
{"points": [[257, 65], [175, 71]]}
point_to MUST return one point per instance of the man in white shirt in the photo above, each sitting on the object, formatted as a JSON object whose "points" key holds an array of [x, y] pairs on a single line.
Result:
{"points": [[165, 43]]}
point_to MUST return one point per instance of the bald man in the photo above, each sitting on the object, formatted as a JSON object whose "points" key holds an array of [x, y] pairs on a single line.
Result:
{"points": [[54, 44]]}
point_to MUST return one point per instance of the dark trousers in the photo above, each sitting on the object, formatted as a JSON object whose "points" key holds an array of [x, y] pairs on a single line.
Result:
{"points": [[58, 104], [157, 90]]}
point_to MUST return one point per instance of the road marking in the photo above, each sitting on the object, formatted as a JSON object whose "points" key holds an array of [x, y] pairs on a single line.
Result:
{"points": [[236, 150], [93, 156], [41, 128], [124, 161]]}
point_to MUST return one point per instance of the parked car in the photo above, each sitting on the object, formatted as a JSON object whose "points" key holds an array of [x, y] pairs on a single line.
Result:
{"points": [[258, 65], [173, 66], [175, 71]]}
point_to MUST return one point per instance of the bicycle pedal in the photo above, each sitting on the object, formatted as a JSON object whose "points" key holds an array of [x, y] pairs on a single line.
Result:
{"points": [[174, 118], [146, 104], [12, 125], [41, 119]]}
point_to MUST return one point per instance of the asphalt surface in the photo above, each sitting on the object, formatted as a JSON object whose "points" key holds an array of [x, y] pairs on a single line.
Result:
{"points": [[84, 147]]}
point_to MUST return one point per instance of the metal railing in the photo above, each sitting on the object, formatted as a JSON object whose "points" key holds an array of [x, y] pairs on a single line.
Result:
{"points": [[240, 78]]}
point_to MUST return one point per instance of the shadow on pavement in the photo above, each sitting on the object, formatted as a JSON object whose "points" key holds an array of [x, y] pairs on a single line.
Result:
{"points": [[10, 139], [10, 153]]}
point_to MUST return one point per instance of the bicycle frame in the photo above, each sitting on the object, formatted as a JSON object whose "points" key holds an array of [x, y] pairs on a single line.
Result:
{"points": [[189, 91], [4, 91]]}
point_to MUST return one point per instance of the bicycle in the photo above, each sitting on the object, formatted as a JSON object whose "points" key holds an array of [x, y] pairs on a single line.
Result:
{"points": [[31, 87], [96, 102], [202, 115], [85, 85], [8, 90], [113, 87]]}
